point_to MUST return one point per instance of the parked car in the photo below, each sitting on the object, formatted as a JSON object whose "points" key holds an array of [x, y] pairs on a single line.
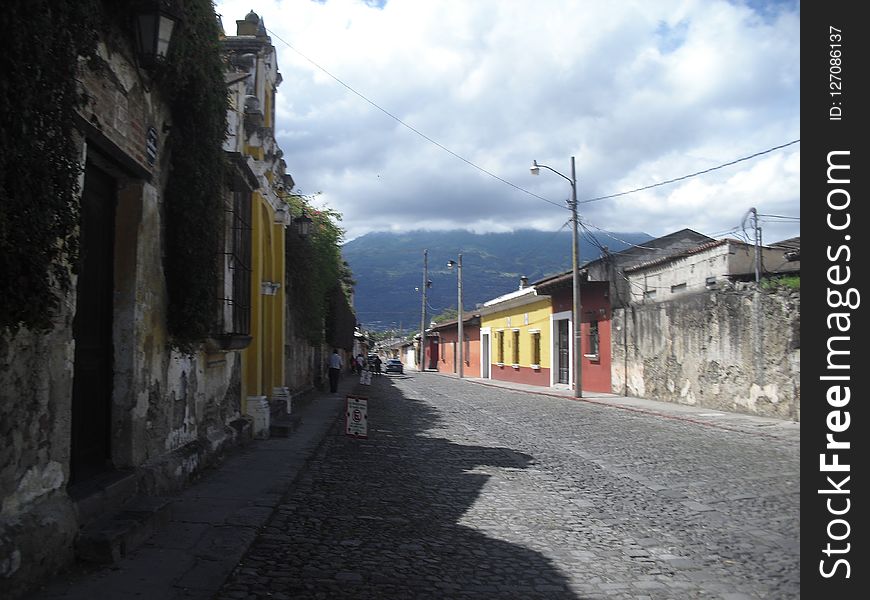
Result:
{"points": [[394, 365]]}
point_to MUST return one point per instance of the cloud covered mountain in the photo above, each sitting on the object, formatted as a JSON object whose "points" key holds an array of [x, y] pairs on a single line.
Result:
{"points": [[388, 268]]}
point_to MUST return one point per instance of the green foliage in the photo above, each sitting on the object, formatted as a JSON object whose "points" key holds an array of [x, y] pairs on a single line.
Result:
{"points": [[446, 315], [39, 163], [39, 167], [791, 282], [194, 82], [314, 267]]}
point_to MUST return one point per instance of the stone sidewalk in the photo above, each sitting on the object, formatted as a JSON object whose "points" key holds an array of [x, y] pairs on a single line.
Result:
{"points": [[212, 522]]}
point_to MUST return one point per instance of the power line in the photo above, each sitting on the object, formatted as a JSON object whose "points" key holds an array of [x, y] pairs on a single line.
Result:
{"points": [[584, 223], [411, 127], [780, 217], [722, 166], [490, 173]]}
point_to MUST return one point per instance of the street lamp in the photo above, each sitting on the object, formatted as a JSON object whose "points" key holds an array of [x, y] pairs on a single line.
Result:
{"points": [[302, 224], [575, 262], [155, 21], [459, 333]]}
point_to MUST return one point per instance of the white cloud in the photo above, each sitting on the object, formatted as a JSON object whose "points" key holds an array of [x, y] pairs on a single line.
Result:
{"points": [[640, 92]]}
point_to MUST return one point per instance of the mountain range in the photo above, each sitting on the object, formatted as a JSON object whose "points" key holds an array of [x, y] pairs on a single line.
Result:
{"points": [[388, 268]]}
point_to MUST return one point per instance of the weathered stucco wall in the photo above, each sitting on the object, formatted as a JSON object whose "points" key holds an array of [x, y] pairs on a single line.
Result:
{"points": [[303, 361], [37, 518], [727, 350], [170, 414]]}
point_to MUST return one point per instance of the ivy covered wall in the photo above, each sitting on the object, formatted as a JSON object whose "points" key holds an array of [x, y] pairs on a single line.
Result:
{"points": [[39, 164]]}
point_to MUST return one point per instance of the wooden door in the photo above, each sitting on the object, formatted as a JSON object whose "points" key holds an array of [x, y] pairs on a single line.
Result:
{"points": [[562, 350], [92, 328]]}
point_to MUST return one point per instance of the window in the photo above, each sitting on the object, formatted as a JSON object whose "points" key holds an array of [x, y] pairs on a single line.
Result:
{"points": [[680, 287], [236, 316], [593, 339], [649, 294], [499, 346], [516, 346], [536, 349]]}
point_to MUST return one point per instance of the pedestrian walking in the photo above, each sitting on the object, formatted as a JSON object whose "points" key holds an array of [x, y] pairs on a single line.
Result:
{"points": [[335, 365], [378, 365]]}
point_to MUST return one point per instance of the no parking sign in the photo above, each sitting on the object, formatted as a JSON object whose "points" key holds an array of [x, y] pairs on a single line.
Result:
{"points": [[356, 416]]}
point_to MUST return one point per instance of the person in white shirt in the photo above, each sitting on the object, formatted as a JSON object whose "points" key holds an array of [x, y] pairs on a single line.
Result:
{"points": [[335, 365]]}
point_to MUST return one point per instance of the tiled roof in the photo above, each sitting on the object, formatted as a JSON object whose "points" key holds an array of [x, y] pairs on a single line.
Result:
{"points": [[689, 252]]}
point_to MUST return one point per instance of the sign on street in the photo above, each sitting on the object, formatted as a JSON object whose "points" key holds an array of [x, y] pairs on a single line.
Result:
{"points": [[356, 416]]}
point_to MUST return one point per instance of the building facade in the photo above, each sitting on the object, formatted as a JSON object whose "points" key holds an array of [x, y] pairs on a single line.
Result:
{"points": [[254, 78], [515, 337], [448, 354], [102, 407], [595, 332], [705, 267]]}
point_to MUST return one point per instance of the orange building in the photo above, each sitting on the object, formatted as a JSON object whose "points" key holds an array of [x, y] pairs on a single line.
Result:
{"points": [[448, 353]]}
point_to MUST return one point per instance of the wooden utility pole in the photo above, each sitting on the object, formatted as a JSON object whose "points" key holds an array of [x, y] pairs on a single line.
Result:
{"points": [[423, 311]]}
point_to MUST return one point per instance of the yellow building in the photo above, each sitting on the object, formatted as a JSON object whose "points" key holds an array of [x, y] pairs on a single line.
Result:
{"points": [[253, 80], [515, 337]]}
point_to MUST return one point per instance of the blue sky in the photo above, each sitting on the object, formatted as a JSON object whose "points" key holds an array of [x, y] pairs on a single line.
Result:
{"points": [[639, 92]]}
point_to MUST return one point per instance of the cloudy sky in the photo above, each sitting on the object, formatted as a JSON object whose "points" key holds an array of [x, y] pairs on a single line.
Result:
{"points": [[409, 114]]}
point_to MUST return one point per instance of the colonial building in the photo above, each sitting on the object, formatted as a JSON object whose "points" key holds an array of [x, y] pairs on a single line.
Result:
{"points": [[705, 267], [103, 408], [448, 352], [515, 337], [254, 81], [595, 333]]}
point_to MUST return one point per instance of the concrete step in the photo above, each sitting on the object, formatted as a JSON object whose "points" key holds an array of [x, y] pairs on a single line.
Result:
{"points": [[103, 494], [113, 536]]}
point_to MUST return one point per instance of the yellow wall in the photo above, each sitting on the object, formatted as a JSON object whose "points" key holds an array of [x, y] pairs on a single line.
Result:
{"points": [[263, 361], [535, 315]]}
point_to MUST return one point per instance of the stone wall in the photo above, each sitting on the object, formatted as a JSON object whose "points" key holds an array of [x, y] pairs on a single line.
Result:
{"points": [[170, 414], [304, 362], [37, 518], [736, 350]]}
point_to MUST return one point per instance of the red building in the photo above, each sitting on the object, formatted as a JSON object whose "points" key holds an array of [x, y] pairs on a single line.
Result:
{"points": [[595, 330], [445, 352]]}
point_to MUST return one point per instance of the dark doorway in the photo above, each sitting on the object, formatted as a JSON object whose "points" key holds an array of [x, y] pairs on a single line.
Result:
{"points": [[92, 328], [562, 350], [434, 353]]}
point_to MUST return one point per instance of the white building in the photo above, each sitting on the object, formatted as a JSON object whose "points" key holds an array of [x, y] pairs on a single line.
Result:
{"points": [[705, 267]]}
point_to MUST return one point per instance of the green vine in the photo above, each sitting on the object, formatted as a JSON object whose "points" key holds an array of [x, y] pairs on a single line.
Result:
{"points": [[39, 164], [317, 275], [194, 82], [39, 167]]}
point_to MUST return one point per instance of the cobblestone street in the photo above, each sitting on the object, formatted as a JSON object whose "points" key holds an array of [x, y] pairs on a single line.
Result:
{"points": [[468, 491]]}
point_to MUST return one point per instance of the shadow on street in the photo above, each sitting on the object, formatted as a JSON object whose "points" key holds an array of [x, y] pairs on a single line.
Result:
{"points": [[381, 518]]}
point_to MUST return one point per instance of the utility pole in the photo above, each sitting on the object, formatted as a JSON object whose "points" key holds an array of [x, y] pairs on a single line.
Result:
{"points": [[757, 235], [423, 310], [459, 332], [575, 264], [460, 341]]}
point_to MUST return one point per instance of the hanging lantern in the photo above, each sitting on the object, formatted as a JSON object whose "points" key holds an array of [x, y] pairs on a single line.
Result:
{"points": [[303, 225], [155, 23]]}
